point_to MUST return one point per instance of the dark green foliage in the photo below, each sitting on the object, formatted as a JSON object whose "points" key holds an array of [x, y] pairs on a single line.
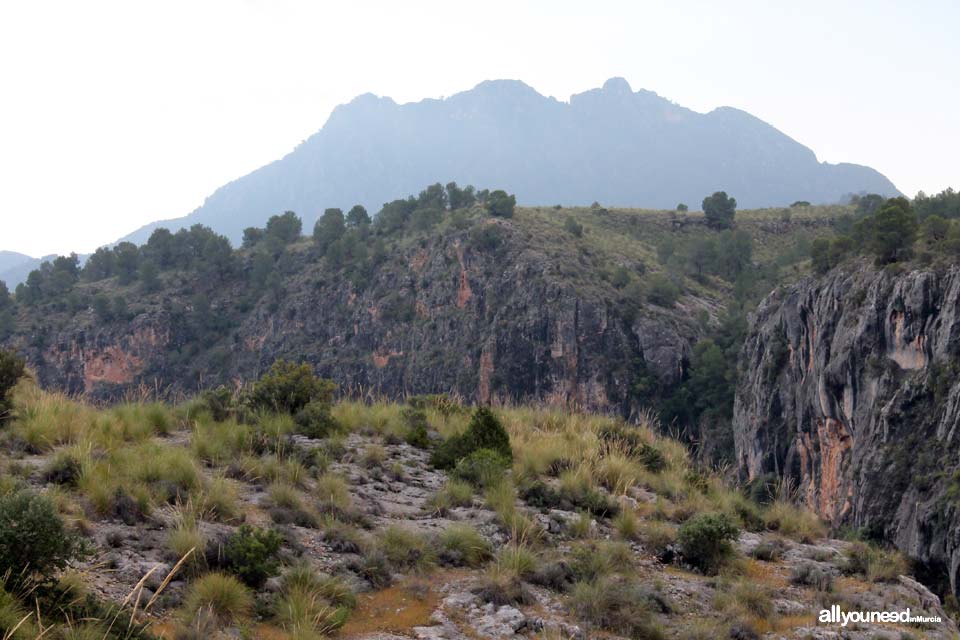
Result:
{"points": [[416, 420], [51, 281], [33, 540], [8, 322], [705, 540], [315, 419], [867, 204], [571, 226], [251, 237], [500, 204], [934, 231], [762, 489], [328, 229], [484, 432], [251, 554], [284, 229], [219, 402], [481, 468], [357, 217], [945, 204], [486, 239], [127, 262], [569, 498], [632, 442], [460, 198], [148, 274], [662, 291], [800, 203], [892, 231], [719, 209], [289, 387], [12, 368], [682, 208], [196, 249]]}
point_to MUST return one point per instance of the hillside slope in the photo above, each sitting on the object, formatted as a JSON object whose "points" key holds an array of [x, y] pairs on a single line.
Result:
{"points": [[850, 387], [611, 144], [518, 309], [248, 527]]}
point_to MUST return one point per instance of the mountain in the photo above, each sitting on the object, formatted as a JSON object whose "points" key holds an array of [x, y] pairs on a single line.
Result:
{"points": [[613, 145], [850, 389], [15, 267]]}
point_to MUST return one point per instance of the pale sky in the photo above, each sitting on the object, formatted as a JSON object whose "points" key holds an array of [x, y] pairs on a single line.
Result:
{"points": [[115, 114]]}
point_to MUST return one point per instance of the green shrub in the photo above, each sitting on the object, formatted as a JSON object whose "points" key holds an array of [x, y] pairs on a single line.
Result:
{"points": [[571, 496], [33, 540], [762, 489], [484, 432], [315, 419], [219, 595], [288, 388], [12, 368], [219, 402], [705, 540], [251, 554], [481, 468], [594, 560], [634, 443], [876, 565], [416, 420]]}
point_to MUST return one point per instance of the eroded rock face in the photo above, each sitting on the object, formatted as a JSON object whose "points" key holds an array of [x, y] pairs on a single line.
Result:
{"points": [[850, 387], [443, 315]]}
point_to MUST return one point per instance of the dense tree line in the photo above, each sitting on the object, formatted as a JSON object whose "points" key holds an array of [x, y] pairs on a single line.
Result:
{"points": [[894, 230]]}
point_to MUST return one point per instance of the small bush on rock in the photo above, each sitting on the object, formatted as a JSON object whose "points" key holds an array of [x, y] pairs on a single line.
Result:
{"points": [[219, 402], [251, 554], [315, 419], [288, 388], [33, 540], [705, 540], [484, 432]]}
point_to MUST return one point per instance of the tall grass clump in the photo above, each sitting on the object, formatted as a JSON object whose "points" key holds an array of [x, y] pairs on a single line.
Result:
{"points": [[220, 596]]}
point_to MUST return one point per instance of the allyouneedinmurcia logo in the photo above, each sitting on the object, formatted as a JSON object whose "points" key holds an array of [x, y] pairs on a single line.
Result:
{"points": [[843, 618]]}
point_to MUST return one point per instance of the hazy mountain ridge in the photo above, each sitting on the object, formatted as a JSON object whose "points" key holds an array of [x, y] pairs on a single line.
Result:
{"points": [[15, 266], [611, 144]]}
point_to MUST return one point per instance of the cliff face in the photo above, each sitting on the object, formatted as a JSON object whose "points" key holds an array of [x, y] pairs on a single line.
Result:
{"points": [[442, 314], [850, 387]]}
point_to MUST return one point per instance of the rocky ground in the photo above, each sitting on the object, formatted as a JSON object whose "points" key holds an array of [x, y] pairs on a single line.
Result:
{"points": [[448, 603]]}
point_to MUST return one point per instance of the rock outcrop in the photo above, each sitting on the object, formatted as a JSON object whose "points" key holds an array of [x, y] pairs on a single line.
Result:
{"points": [[502, 319], [849, 388]]}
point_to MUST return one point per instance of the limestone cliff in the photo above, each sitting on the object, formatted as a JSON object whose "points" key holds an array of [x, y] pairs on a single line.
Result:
{"points": [[849, 387], [501, 319]]}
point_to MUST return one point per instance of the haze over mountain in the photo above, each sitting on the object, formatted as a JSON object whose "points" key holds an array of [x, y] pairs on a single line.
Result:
{"points": [[14, 267], [613, 145]]}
